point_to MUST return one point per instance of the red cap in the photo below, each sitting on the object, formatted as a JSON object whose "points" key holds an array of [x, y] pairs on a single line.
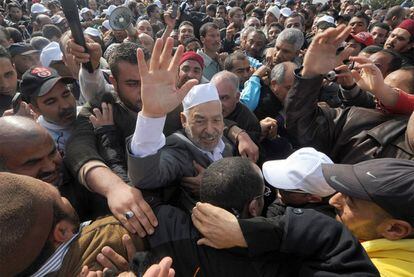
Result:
{"points": [[407, 24], [364, 38], [191, 55]]}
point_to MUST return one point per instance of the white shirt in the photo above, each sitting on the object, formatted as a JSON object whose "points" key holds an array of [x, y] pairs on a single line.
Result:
{"points": [[148, 138]]}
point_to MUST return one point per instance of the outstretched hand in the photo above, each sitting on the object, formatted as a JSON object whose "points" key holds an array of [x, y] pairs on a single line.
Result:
{"points": [[159, 91], [321, 56], [369, 76]]}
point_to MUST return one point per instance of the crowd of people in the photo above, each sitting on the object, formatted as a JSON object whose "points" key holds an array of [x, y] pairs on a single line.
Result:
{"points": [[216, 138]]}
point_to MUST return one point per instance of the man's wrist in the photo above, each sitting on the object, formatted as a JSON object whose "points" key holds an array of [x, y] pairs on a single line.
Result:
{"points": [[307, 73], [146, 114]]}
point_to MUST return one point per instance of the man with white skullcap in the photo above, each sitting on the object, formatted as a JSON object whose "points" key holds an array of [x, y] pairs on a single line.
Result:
{"points": [[155, 161]]}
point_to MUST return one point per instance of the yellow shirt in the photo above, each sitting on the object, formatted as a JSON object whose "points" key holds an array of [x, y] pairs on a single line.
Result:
{"points": [[392, 258]]}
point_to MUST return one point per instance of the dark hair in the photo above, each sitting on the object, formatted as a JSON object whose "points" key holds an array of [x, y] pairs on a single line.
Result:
{"points": [[5, 54], [13, 5], [231, 183], [50, 31], [381, 25], [233, 11], [211, 8], [151, 8], [295, 14], [260, 13], [15, 34], [363, 16], [323, 25], [372, 49], [125, 52], [235, 56], [6, 32], [396, 60], [260, 32], [396, 11], [189, 40], [277, 25], [206, 27], [185, 23]]}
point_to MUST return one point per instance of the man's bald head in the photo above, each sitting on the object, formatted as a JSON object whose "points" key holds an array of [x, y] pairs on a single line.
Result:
{"points": [[26, 219], [27, 148], [18, 130]]}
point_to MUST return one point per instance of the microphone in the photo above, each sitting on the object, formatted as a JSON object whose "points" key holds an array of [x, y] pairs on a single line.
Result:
{"points": [[70, 9]]}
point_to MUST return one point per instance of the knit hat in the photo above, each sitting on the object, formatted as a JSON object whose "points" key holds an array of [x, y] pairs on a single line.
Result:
{"points": [[408, 25], [190, 55]]}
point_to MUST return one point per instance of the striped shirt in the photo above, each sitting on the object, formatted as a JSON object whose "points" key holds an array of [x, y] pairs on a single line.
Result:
{"points": [[54, 263]]}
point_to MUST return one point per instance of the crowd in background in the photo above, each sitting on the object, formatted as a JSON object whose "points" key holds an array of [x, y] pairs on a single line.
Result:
{"points": [[216, 138]]}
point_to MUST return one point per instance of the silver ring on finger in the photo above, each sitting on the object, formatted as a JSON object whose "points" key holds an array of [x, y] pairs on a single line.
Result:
{"points": [[129, 214]]}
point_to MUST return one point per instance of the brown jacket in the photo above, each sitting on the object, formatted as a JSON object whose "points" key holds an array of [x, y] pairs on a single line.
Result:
{"points": [[107, 231], [348, 135]]}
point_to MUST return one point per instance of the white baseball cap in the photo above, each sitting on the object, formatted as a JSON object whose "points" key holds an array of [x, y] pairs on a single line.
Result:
{"points": [[38, 8], [84, 10], [200, 94], [286, 12], [50, 53], [300, 171], [92, 32], [326, 18]]}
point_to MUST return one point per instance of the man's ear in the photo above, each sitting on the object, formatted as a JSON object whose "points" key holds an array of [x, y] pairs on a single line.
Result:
{"points": [[312, 198], [238, 96], [113, 81], [255, 208], [62, 232], [395, 229], [34, 108], [183, 119]]}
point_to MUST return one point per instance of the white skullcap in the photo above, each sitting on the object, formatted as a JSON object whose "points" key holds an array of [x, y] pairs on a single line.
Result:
{"points": [[326, 18], [106, 25], [275, 11], [38, 8], [109, 10], [200, 94], [92, 32], [50, 53], [302, 170], [286, 12], [85, 10]]}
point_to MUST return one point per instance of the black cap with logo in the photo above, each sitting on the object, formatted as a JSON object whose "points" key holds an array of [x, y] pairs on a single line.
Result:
{"points": [[38, 81], [389, 183]]}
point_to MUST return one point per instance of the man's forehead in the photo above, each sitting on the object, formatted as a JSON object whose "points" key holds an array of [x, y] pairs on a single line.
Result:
{"points": [[237, 64], [191, 64], [401, 32]]}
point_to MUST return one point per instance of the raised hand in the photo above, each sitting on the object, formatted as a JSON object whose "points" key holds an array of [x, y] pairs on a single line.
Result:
{"points": [[159, 92], [103, 118], [321, 56], [219, 227], [369, 76]]}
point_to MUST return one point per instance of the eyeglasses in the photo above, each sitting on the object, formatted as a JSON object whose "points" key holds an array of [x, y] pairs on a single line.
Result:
{"points": [[267, 192]]}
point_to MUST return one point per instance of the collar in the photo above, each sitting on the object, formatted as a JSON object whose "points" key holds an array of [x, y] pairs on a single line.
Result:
{"points": [[207, 59], [217, 152], [54, 263]]}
